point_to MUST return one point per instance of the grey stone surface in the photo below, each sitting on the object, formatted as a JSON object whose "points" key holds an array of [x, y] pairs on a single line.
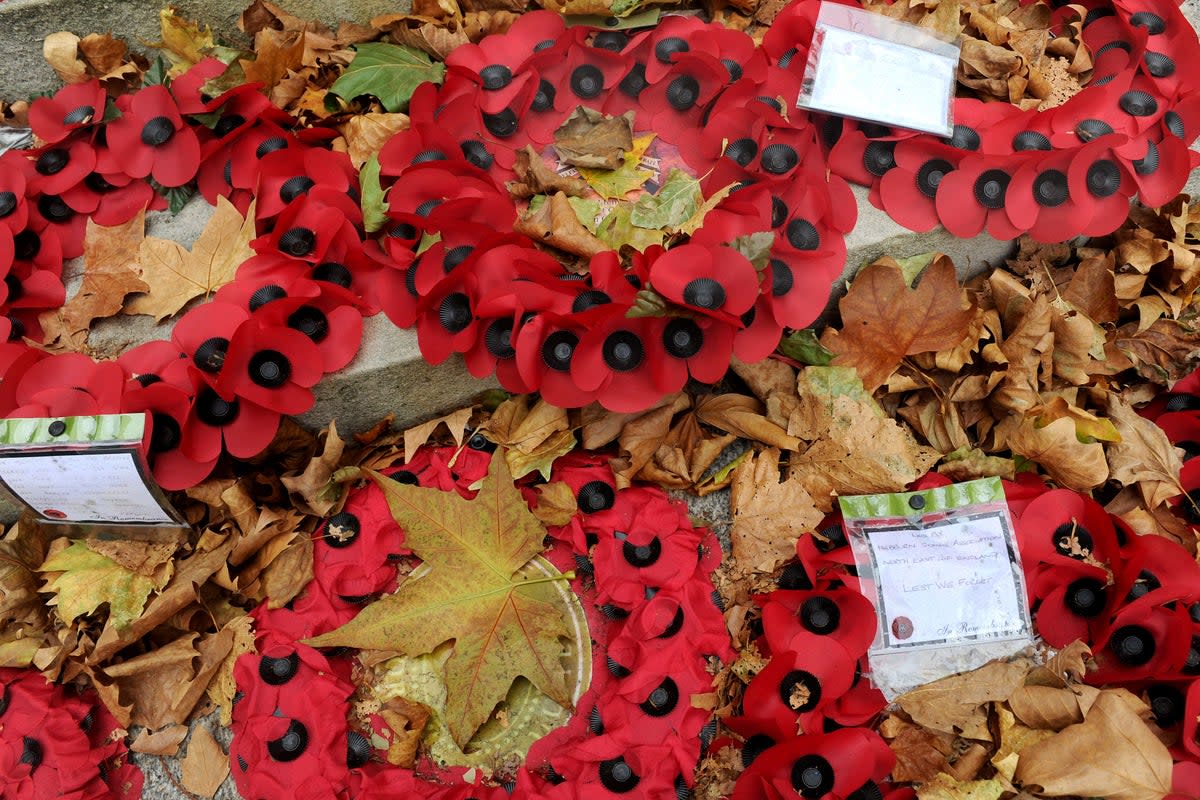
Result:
{"points": [[25, 23]]}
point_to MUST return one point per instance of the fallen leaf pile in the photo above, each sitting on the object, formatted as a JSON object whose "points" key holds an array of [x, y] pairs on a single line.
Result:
{"points": [[1012, 726]]}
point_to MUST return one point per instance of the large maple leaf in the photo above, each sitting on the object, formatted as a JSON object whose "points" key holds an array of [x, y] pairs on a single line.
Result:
{"points": [[883, 320], [504, 625]]}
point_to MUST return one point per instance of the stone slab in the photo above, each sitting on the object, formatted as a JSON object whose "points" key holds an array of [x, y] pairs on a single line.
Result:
{"points": [[25, 23]]}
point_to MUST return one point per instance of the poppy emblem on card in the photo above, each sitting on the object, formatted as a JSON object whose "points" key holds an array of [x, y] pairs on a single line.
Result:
{"points": [[902, 627], [54, 513]]}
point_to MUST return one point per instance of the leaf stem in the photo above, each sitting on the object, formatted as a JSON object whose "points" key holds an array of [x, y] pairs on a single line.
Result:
{"points": [[562, 576]]}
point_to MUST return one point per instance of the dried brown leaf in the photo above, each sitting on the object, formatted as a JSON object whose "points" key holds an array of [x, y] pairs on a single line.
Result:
{"points": [[770, 513], [534, 177], [1144, 457], [591, 139], [110, 273], [455, 422], [312, 491], [556, 503], [205, 766], [1111, 754], [555, 223], [957, 704], [61, 51], [367, 133], [174, 276], [883, 320], [742, 415], [1057, 450], [159, 743]]}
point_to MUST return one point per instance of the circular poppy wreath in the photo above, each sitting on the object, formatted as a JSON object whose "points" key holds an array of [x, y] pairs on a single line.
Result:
{"points": [[1134, 599], [625, 330], [55, 742], [643, 574]]}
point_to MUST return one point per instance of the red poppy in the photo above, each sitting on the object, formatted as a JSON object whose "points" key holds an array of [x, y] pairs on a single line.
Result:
{"points": [[151, 138], [760, 332], [676, 99], [798, 620], [355, 549], [973, 198], [1070, 601], [717, 282], [796, 690], [203, 336], [241, 427], [287, 174], [154, 361], [497, 63], [1065, 527], [51, 218], [545, 352], [112, 198], [1153, 571], [670, 40], [59, 167], [15, 173], [309, 225], [166, 408], [787, 40], [653, 552], [616, 359], [908, 192], [272, 366], [770, 97], [836, 764], [1143, 642], [67, 385], [603, 767], [71, 108]]}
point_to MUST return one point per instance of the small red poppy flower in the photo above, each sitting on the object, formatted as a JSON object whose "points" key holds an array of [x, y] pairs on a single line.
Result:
{"points": [[670, 40], [328, 322], [653, 553], [545, 351], [1070, 601], [716, 282], [835, 764], [498, 63], [1040, 200], [676, 101], [1182, 429], [287, 174], [187, 88], [861, 703], [29, 289], [698, 348], [308, 226], [1061, 526], [75, 106], [69, 384], [908, 192], [733, 132], [58, 167], [974, 196], [51, 218], [318, 610], [151, 138], [1153, 571], [604, 767], [237, 164], [272, 366], [1190, 735], [15, 174], [587, 76], [203, 336], [355, 549], [241, 427], [166, 408], [796, 620], [1159, 163], [760, 333], [241, 109], [737, 52], [787, 40], [616, 360], [112, 198], [1144, 642], [796, 689]]}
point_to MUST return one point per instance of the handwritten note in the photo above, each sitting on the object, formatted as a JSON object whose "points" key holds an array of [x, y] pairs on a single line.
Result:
{"points": [[946, 581], [83, 487]]}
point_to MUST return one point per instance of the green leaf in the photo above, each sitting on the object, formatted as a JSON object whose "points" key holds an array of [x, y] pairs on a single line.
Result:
{"points": [[177, 196], [389, 72], [675, 202], [157, 74], [803, 346], [374, 204], [614, 184], [586, 210], [89, 580], [756, 247], [617, 230], [647, 303]]}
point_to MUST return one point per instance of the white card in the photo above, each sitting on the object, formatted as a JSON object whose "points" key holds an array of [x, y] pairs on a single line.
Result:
{"points": [[83, 487], [871, 67], [947, 581]]}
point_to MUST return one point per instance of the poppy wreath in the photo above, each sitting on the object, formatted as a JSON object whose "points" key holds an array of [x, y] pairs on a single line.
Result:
{"points": [[644, 575], [1132, 598], [55, 743], [1056, 174]]}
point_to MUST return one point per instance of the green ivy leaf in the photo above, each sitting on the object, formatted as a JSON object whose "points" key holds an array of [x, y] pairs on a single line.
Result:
{"points": [[157, 74], [389, 72], [374, 204], [803, 346], [676, 201]]}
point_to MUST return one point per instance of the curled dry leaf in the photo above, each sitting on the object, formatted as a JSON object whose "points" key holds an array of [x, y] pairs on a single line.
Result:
{"points": [[946, 787], [205, 766], [406, 720], [366, 134], [770, 513], [418, 435], [312, 491], [159, 743], [556, 503], [534, 177], [1057, 450], [1144, 456], [1050, 708], [742, 415], [591, 139], [110, 258], [957, 705], [61, 51], [1111, 754], [555, 223]]}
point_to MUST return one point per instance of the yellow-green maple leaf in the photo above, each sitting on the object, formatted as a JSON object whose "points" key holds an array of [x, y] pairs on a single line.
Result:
{"points": [[503, 625], [88, 580]]}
